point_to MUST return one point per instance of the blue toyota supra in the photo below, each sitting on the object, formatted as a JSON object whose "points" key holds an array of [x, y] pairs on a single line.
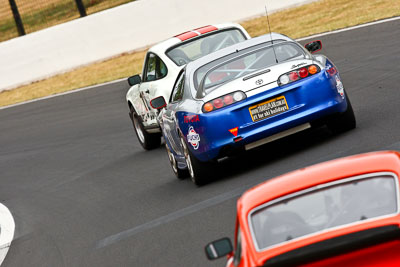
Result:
{"points": [[247, 95]]}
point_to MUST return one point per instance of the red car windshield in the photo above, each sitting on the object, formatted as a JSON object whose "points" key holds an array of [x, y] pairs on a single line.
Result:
{"points": [[324, 207]]}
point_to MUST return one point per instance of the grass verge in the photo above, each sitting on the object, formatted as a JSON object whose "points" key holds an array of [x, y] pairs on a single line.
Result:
{"points": [[316, 17]]}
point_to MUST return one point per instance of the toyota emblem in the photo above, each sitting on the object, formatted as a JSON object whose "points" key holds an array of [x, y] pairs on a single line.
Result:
{"points": [[259, 82]]}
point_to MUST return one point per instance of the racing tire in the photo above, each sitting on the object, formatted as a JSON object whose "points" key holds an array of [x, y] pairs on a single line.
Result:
{"points": [[179, 173], [343, 122], [200, 172], [147, 140]]}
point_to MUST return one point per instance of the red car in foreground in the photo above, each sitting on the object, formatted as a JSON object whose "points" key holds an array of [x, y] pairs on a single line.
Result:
{"points": [[343, 212]]}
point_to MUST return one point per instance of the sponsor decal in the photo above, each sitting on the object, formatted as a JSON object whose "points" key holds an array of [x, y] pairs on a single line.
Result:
{"points": [[331, 69], [298, 65], [193, 138], [339, 86], [259, 82], [234, 131], [191, 118]]}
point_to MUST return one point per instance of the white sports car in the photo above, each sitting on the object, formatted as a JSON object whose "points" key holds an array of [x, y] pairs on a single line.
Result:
{"points": [[163, 63]]}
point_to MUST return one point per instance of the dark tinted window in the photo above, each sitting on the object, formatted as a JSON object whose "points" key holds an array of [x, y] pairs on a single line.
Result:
{"points": [[155, 68], [177, 93]]}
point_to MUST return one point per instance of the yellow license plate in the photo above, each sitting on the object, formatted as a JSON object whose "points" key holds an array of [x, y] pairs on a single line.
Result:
{"points": [[268, 109]]}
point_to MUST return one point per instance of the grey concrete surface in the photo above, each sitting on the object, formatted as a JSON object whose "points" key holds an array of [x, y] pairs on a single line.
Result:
{"points": [[73, 174], [115, 31]]}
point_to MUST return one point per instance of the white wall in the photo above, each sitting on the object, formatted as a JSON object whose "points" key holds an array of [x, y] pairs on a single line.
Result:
{"points": [[105, 34]]}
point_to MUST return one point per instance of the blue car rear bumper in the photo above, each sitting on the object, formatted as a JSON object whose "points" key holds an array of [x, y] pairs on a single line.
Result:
{"points": [[309, 100]]}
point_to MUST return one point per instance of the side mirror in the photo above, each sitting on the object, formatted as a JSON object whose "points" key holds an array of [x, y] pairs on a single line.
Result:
{"points": [[314, 46], [219, 248], [158, 102], [134, 80]]}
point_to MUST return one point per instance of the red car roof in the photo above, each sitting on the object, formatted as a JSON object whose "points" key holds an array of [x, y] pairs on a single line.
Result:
{"points": [[319, 174], [388, 161]]}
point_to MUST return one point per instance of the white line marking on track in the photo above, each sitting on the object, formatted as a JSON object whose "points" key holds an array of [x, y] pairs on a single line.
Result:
{"points": [[7, 228], [116, 81], [171, 217]]}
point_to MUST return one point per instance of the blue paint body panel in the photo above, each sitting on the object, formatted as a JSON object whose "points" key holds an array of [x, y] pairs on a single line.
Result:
{"points": [[309, 99]]}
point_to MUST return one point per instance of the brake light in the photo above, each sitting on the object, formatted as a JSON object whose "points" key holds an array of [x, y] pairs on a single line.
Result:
{"points": [[293, 76], [228, 99], [303, 72], [218, 103], [298, 74], [223, 101]]}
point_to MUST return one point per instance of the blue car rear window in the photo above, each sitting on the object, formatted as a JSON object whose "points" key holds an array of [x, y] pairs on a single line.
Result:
{"points": [[237, 65]]}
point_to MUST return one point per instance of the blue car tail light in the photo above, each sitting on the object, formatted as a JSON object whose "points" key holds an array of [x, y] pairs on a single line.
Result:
{"points": [[298, 74], [223, 101]]}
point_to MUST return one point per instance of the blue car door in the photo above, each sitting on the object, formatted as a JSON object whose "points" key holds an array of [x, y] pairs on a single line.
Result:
{"points": [[169, 117]]}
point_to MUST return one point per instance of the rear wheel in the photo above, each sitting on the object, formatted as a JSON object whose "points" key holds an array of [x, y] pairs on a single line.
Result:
{"points": [[147, 140], [179, 173], [200, 172], [343, 122]]}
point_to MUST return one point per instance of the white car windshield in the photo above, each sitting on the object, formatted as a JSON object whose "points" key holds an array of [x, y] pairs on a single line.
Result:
{"points": [[234, 66], [206, 44], [323, 208]]}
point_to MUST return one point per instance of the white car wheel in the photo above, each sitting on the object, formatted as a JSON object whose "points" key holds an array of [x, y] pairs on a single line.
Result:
{"points": [[188, 160], [171, 158], [138, 130], [147, 140], [179, 173], [200, 172]]}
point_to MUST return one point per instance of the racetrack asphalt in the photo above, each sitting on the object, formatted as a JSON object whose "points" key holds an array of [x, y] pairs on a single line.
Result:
{"points": [[84, 193]]}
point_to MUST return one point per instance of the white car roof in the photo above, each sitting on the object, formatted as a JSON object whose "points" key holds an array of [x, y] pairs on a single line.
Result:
{"points": [[162, 47]]}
